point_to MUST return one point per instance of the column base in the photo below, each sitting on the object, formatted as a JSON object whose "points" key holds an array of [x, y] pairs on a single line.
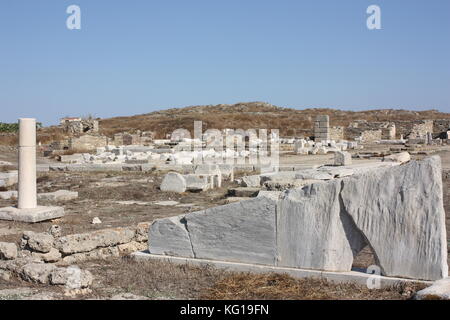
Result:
{"points": [[31, 215]]}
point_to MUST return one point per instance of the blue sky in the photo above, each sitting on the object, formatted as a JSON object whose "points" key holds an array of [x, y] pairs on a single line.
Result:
{"points": [[137, 56]]}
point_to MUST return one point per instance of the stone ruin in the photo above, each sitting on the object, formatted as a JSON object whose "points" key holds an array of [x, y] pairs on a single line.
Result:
{"points": [[78, 126], [397, 211]]}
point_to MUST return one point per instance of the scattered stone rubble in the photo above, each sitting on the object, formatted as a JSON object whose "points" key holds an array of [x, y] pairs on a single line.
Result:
{"points": [[324, 225], [60, 195], [49, 258]]}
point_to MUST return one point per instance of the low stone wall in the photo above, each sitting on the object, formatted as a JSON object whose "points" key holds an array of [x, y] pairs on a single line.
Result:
{"points": [[371, 135], [49, 258], [337, 133]]}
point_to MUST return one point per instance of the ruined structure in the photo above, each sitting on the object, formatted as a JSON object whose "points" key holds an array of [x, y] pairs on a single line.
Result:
{"points": [[322, 128], [78, 126], [398, 211]]}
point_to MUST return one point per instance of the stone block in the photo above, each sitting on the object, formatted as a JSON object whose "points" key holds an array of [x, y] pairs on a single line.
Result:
{"points": [[401, 213], [311, 231], [169, 236], [342, 158], [173, 182], [31, 215], [242, 231], [8, 251]]}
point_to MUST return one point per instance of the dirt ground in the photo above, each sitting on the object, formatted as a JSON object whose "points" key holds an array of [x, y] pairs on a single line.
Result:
{"points": [[99, 196]]}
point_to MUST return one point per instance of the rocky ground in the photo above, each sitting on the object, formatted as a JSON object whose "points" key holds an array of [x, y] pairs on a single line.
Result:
{"points": [[125, 199]]}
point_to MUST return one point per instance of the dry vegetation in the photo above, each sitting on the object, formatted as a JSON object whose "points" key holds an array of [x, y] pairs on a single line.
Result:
{"points": [[253, 115], [256, 115], [163, 280]]}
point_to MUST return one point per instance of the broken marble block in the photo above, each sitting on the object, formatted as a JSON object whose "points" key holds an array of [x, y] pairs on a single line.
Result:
{"points": [[60, 195], [400, 212], [195, 182], [170, 237], [312, 233], [241, 232], [396, 210], [342, 158], [173, 182], [8, 179], [401, 157]]}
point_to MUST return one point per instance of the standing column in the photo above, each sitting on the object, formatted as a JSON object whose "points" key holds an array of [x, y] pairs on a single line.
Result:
{"points": [[27, 164]]}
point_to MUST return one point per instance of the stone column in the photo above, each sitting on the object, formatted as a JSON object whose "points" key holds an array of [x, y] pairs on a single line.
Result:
{"points": [[27, 164]]}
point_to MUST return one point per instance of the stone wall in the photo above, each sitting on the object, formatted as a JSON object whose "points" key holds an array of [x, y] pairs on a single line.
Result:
{"points": [[336, 133], [322, 128], [440, 128], [81, 127], [420, 129], [371, 135], [88, 142]]}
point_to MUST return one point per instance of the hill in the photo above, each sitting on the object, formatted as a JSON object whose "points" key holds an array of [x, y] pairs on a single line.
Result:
{"points": [[254, 115]]}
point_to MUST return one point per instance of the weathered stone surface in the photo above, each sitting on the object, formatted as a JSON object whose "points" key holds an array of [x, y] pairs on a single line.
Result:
{"points": [[169, 236], [5, 275], [242, 231], [400, 211], [60, 195], [85, 242], [342, 158], [55, 231], [337, 172], [274, 195], [397, 210], [133, 246], [142, 231], [235, 199], [101, 253], [440, 290], [71, 277], [311, 232], [173, 182], [195, 182], [8, 179], [31, 215], [37, 272], [40, 242], [313, 175], [52, 256], [8, 195], [8, 251], [398, 157], [251, 181]]}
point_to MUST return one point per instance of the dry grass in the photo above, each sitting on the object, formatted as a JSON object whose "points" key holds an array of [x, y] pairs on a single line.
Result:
{"points": [[156, 279], [164, 280], [283, 287], [291, 122]]}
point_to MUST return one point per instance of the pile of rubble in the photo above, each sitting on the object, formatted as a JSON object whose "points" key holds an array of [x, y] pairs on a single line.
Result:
{"points": [[305, 147], [49, 258]]}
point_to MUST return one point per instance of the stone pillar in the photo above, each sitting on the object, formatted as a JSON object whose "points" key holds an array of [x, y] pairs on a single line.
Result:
{"points": [[322, 128], [27, 164]]}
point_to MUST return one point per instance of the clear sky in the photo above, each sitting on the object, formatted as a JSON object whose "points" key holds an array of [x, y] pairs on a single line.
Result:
{"points": [[137, 56]]}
